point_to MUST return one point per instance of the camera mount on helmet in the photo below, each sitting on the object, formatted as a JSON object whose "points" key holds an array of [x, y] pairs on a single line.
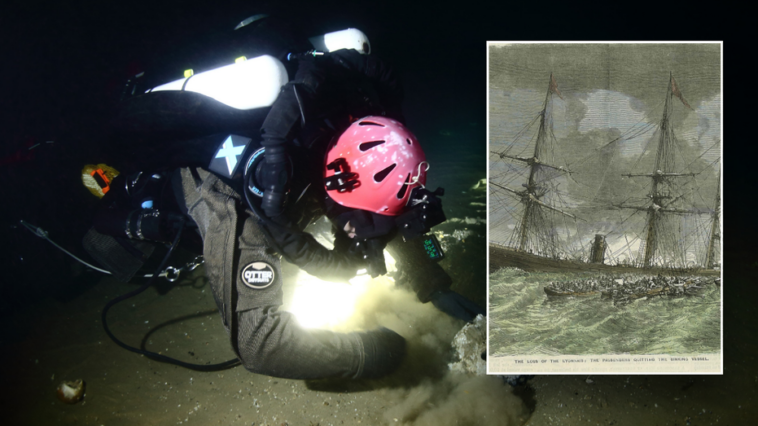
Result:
{"points": [[342, 180]]}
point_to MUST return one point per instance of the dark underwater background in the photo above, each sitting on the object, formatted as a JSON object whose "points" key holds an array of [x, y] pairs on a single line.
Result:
{"points": [[65, 70], [63, 67]]}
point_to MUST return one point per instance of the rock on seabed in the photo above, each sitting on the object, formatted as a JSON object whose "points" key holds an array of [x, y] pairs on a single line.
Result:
{"points": [[469, 344]]}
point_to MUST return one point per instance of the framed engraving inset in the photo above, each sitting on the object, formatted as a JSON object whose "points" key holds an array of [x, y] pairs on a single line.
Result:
{"points": [[604, 208]]}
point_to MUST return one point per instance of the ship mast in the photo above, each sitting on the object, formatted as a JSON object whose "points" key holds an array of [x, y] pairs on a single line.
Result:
{"points": [[655, 196], [715, 228], [531, 195], [531, 184], [663, 170]]}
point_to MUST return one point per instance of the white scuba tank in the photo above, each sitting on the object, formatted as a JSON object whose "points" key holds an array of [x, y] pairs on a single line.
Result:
{"points": [[248, 84], [255, 83], [350, 38]]}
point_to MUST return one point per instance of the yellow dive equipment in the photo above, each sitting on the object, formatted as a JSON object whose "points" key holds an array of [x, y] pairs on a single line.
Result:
{"points": [[98, 178]]}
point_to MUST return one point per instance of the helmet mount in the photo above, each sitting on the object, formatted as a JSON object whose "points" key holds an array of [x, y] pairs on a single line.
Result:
{"points": [[342, 180]]}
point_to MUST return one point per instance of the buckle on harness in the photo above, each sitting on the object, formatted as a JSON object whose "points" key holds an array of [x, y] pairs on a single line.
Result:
{"points": [[102, 180]]}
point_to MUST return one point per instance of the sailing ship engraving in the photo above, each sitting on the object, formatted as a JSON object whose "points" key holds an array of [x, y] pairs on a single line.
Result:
{"points": [[604, 208], [678, 236]]}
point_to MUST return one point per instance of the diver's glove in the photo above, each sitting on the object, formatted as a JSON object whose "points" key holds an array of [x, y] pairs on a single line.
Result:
{"points": [[384, 351], [371, 251], [455, 305]]}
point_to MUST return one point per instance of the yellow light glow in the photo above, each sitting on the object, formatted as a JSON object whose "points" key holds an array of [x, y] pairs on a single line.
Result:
{"points": [[322, 304], [240, 59], [188, 73]]}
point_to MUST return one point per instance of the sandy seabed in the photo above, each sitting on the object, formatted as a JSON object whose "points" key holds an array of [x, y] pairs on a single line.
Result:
{"points": [[53, 341], [56, 341]]}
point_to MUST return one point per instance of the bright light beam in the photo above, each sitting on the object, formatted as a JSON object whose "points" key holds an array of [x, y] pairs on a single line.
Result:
{"points": [[323, 304]]}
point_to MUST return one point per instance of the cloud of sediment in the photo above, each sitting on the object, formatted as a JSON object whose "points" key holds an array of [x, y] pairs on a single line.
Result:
{"points": [[425, 392], [422, 391], [458, 399]]}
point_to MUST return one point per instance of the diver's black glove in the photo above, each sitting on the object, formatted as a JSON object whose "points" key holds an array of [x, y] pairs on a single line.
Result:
{"points": [[372, 252], [455, 305]]}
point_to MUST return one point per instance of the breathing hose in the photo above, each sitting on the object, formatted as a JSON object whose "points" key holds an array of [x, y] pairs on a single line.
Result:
{"points": [[152, 355]]}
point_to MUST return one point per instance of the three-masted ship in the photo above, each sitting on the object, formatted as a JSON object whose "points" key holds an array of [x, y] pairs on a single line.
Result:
{"points": [[535, 243]]}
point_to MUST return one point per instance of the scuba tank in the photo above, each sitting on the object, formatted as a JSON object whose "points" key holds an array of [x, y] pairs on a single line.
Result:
{"points": [[350, 38], [246, 84], [256, 83]]}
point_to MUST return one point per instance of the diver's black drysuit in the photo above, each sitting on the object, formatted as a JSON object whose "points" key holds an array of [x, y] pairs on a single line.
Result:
{"points": [[269, 341]]}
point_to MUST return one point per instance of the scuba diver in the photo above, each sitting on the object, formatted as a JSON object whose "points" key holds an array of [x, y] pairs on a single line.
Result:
{"points": [[332, 144]]}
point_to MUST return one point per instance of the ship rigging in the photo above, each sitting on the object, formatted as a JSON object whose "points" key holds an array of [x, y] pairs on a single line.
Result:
{"points": [[542, 234]]}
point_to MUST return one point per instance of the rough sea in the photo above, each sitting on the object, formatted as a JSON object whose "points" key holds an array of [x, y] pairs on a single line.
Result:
{"points": [[523, 320]]}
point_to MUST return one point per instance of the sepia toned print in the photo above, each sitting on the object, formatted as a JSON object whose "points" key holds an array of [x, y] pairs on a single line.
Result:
{"points": [[605, 207]]}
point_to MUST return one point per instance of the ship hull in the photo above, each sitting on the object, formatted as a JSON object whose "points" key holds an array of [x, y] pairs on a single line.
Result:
{"points": [[505, 257]]}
